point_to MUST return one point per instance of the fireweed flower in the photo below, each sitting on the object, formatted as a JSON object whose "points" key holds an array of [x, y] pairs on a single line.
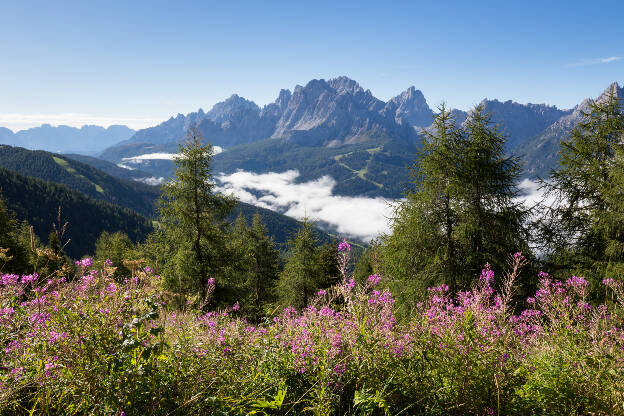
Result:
{"points": [[108, 263], [344, 246], [88, 262], [374, 279], [487, 274], [29, 278]]}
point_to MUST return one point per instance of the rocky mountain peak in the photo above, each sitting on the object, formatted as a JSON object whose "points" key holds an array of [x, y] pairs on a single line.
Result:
{"points": [[412, 106], [345, 84], [235, 104]]}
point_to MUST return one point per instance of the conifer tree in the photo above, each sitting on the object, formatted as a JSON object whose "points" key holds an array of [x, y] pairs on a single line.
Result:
{"points": [[423, 247], [328, 264], [301, 277], [583, 231], [193, 220], [254, 267], [492, 222], [265, 272], [461, 212]]}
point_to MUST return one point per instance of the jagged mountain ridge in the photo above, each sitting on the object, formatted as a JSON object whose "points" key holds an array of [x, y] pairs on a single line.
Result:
{"points": [[321, 113], [540, 152], [339, 112], [330, 113]]}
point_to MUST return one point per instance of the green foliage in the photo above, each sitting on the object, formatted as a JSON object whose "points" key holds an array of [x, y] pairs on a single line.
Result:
{"points": [[193, 221], [280, 227], [37, 202], [363, 267], [116, 247], [302, 275], [15, 252], [583, 232], [328, 264], [461, 212], [80, 177], [254, 268]]}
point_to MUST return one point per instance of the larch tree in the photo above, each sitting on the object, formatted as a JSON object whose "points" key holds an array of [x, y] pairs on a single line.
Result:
{"points": [[461, 212], [193, 220], [583, 230]]}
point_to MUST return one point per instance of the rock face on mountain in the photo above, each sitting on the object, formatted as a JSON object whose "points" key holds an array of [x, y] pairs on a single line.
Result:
{"points": [[411, 106], [336, 112], [321, 113], [86, 140], [167, 131], [339, 112], [540, 153], [522, 121]]}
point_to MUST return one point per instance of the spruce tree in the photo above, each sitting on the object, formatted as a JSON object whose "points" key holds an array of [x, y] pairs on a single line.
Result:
{"points": [[492, 222], [328, 264], [254, 267], [265, 272], [423, 247]]}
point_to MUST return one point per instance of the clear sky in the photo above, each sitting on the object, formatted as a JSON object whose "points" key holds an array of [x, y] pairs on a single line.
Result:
{"points": [[139, 62]]}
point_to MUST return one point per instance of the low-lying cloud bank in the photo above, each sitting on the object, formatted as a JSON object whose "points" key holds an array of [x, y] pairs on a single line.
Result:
{"points": [[355, 217], [363, 218]]}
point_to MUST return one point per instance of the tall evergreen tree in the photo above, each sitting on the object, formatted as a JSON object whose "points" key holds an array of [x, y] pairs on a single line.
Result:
{"points": [[423, 247], [301, 277], [328, 264], [492, 222], [254, 267], [461, 212], [583, 230], [193, 220]]}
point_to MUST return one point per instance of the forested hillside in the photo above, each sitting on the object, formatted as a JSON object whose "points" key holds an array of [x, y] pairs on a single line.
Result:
{"points": [[109, 168], [37, 202], [80, 177]]}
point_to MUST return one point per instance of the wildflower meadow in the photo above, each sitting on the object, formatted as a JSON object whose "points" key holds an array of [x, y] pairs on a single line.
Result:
{"points": [[96, 345]]}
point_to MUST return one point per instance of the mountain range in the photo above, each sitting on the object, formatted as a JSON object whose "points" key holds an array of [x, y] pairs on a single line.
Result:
{"points": [[326, 127], [87, 139], [335, 127]]}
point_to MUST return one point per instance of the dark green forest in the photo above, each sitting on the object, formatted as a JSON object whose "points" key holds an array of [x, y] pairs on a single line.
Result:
{"points": [[37, 202]]}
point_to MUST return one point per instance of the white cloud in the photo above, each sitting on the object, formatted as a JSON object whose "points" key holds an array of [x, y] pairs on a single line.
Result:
{"points": [[158, 156], [532, 194], [152, 180], [149, 156], [595, 61], [15, 121], [356, 217]]}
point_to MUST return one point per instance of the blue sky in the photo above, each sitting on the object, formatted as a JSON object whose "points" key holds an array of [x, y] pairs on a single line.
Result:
{"points": [[139, 62]]}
